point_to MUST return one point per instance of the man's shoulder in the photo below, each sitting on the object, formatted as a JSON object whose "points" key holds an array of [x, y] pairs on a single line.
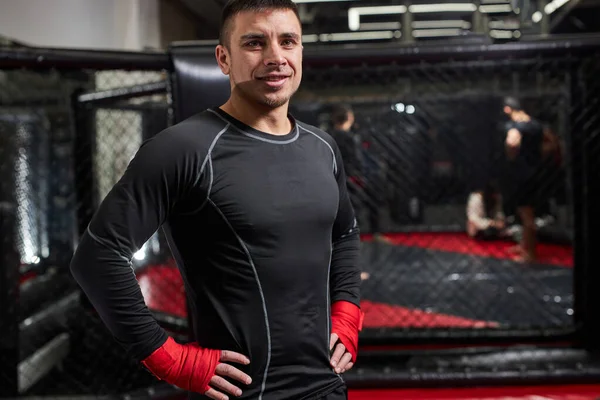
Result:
{"points": [[318, 132], [195, 132], [530, 124]]}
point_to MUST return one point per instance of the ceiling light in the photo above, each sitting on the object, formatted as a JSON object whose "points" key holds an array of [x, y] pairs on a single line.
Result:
{"points": [[422, 33], [554, 5], [444, 7], [345, 36], [378, 26], [449, 23], [354, 13], [495, 8]]}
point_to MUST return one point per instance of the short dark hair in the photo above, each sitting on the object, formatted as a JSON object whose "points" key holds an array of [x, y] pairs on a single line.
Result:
{"points": [[513, 103], [339, 113], [234, 7]]}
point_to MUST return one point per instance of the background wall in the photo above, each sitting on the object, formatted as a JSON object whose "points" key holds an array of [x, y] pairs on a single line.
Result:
{"points": [[104, 24]]}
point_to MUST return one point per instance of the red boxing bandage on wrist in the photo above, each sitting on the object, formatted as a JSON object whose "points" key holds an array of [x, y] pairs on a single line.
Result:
{"points": [[346, 322], [187, 366]]}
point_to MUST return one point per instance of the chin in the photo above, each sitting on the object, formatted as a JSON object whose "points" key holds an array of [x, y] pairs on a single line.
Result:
{"points": [[275, 101]]}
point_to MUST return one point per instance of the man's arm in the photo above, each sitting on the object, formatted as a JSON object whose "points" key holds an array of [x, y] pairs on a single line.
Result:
{"points": [[159, 177], [346, 316], [345, 271], [513, 142]]}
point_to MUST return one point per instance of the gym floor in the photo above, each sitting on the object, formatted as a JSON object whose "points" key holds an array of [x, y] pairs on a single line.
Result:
{"points": [[417, 280], [442, 280], [435, 280]]}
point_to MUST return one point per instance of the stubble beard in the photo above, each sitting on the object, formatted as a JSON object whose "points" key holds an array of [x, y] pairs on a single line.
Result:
{"points": [[276, 101], [266, 99]]}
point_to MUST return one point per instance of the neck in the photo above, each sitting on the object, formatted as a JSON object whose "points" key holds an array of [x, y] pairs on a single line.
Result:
{"points": [[274, 121]]}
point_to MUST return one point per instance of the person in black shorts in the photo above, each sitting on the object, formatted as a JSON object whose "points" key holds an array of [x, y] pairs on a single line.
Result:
{"points": [[523, 145], [255, 207]]}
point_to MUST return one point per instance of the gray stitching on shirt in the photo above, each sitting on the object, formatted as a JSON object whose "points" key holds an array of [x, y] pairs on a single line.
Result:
{"points": [[330, 149], [262, 296], [207, 159], [107, 244], [293, 139]]}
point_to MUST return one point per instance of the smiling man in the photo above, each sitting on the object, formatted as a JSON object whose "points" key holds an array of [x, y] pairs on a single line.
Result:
{"points": [[255, 208]]}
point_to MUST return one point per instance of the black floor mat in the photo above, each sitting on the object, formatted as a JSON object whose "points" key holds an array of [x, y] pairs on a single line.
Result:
{"points": [[468, 286]]}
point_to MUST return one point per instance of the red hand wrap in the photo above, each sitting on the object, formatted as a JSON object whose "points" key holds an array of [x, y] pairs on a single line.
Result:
{"points": [[187, 366], [346, 322]]}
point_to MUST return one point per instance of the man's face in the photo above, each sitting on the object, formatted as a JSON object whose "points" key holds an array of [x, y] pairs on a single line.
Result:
{"points": [[264, 56]]}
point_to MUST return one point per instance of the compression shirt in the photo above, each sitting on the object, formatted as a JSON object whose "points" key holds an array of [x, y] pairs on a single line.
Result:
{"points": [[263, 233]]}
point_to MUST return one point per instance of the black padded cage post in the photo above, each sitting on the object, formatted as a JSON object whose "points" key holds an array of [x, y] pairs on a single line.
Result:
{"points": [[197, 83], [85, 185], [9, 294], [584, 124]]}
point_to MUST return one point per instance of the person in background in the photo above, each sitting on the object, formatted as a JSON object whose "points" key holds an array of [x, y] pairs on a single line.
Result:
{"points": [[342, 120], [523, 145], [349, 143], [485, 216]]}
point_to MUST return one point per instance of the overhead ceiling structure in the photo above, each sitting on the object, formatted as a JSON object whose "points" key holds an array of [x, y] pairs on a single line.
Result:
{"points": [[353, 21]]}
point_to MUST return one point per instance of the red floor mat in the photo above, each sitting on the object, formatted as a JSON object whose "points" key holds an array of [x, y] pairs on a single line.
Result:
{"points": [[575, 392], [552, 254], [379, 315], [163, 290]]}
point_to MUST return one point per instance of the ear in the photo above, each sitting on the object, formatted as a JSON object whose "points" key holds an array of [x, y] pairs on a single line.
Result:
{"points": [[223, 59]]}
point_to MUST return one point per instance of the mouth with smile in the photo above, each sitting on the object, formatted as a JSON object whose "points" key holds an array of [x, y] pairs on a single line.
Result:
{"points": [[274, 80]]}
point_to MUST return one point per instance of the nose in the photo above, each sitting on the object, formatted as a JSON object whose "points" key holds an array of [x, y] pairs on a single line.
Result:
{"points": [[274, 56]]}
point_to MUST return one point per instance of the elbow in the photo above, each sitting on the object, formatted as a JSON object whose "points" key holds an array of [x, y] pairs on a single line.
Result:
{"points": [[76, 266], [80, 261]]}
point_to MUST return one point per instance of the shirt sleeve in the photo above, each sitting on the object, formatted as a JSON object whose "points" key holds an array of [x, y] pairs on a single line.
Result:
{"points": [[156, 181], [345, 272]]}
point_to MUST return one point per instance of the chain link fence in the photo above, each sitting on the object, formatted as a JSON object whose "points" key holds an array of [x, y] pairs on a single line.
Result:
{"points": [[66, 137], [428, 145], [429, 135]]}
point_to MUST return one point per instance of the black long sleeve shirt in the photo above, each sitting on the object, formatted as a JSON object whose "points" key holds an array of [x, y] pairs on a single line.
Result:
{"points": [[263, 233]]}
